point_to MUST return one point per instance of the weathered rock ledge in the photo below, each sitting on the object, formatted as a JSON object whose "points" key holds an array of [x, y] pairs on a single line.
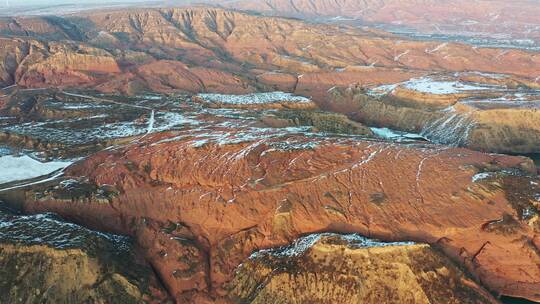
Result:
{"points": [[331, 268], [46, 260]]}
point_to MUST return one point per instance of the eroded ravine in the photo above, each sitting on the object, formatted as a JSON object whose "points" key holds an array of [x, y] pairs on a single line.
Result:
{"points": [[275, 163], [262, 194], [201, 198]]}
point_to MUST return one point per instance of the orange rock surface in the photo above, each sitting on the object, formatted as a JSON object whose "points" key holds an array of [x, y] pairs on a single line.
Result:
{"points": [[515, 18], [490, 115], [198, 201], [199, 209], [215, 50]]}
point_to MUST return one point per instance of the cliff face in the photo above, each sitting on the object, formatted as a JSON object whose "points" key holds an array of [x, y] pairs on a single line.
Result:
{"points": [[199, 207], [38, 63], [350, 269], [46, 260], [482, 113]]}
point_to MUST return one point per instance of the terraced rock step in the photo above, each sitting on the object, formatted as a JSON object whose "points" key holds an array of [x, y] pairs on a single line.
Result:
{"points": [[320, 121], [47, 260], [333, 268], [270, 100], [486, 112]]}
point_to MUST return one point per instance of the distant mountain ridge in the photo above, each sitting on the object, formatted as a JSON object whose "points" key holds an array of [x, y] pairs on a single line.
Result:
{"points": [[496, 18], [216, 50]]}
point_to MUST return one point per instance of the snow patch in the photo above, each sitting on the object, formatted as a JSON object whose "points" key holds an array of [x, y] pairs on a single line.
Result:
{"points": [[5, 151], [150, 97], [431, 86], [50, 131], [302, 245], [382, 90], [481, 176], [517, 100], [487, 75], [387, 133], [437, 48], [50, 230], [81, 106], [254, 98], [24, 167], [452, 129], [396, 58], [151, 122]]}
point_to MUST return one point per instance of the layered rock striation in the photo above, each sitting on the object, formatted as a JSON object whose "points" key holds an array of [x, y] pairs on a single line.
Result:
{"points": [[493, 116], [200, 206], [215, 50]]}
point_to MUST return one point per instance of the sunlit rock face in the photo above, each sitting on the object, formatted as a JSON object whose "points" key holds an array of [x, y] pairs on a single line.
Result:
{"points": [[200, 202], [498, 19], [44, 259], [219, 51], [487, 112], [228, 146], [351, 269]]}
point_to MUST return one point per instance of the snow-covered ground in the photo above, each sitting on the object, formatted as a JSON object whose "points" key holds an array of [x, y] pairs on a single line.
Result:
{"points": [[531, 100], [150, 97], [15, 168], [451, 129], [5, 151], [382, 90], [254, 98], [81, 106], [54, 132], [481, 176], [387, 133], [482, 74], [440, 87], [301, 245], [157, 122]]}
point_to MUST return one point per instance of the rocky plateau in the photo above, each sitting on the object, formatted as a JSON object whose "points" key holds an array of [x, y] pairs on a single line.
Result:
{"points": [[235, 154]]}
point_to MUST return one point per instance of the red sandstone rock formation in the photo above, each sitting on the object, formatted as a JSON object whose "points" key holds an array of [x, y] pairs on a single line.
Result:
{"points": [[44, 259], [199, 209], [489, 115], [198, 204], [517, 19], [216, 50]]}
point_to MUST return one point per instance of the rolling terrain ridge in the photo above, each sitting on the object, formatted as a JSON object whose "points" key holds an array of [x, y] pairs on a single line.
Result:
{"points": [[228, 156]]}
